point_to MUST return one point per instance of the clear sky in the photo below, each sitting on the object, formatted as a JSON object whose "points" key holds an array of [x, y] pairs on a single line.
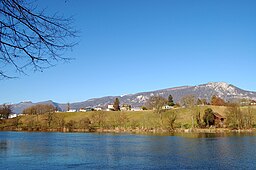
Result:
{"points": [[130, 46]]}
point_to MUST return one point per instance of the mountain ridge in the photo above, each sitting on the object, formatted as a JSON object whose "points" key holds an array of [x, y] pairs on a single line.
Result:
{"points": [[224, 90]]}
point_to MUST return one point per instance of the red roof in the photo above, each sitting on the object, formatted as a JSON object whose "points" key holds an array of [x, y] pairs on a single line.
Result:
{"points": [[218, 115]]}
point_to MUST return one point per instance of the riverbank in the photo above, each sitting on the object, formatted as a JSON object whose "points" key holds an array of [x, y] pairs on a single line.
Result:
{"points": [[136, 131], [182, 120]]}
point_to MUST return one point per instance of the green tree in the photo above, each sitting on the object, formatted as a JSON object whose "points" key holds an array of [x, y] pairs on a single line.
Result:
{"points": [[144, 108], [116, 105], [208, 117], [170, 100]]}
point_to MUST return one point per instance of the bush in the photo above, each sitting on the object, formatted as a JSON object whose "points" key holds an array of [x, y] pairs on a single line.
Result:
{"points": [[208, 117]]}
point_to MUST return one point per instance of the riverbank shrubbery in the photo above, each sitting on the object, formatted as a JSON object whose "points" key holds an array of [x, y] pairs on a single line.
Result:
{"points": [[144, 121], [240, 117]]}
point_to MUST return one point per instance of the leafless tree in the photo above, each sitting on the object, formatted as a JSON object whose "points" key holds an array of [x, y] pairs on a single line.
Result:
{"points": [[188, 101], [5, 111], [99, 119], [39, 109], [171, 118], [238, 117], [30, 38], [156, 103]]}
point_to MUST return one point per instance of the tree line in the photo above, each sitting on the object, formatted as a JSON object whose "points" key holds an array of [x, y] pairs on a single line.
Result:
{"points": [[236, 117]]}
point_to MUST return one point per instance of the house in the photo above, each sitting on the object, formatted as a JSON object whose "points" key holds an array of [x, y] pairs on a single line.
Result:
{"points": [[88, 109], [218, 119], [125, 107], [253, 103], [82, 110], [98, 109], [167, 107], [12, 116], [71, 110], [110, 107], [136, 109]]}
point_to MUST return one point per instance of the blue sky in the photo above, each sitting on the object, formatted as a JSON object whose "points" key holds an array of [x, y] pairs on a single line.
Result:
{"points": [[131, 46]]}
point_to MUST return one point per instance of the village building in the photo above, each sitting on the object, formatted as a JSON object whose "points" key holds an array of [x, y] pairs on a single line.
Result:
{"points": [[125, 107], [98, 109], [167, 107], [253, 103], [218, 119], [82, 110], [86, 109], [71, 110], [110, 107], [12, 116], [136, 109]]}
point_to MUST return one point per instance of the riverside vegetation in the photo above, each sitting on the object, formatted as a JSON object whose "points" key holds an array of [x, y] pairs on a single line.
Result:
{"points": [[174, 120]]}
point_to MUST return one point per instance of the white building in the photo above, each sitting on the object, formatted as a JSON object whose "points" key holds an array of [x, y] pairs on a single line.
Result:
{"points": [[167, 107], [72, 110], [253, 103], [136, 109], [12, 116], [98, 109], [82, 110], [110, 107]]}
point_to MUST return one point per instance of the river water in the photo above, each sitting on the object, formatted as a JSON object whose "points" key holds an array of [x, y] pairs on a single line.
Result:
{"points": [[27, 150]]}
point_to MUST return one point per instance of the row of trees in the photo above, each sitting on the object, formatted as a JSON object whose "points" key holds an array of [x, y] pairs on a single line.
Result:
{"points": [[190, 100], [240, 118], [157, 102], [154, 101], [6, 110], [39, 109], [186, 101], [236, 117]]}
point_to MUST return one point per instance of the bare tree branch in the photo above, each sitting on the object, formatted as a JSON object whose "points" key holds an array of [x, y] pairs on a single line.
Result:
{"points": [[30, 39]]}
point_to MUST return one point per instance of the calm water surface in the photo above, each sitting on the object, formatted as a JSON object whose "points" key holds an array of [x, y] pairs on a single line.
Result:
{"points": [[22, 150]]}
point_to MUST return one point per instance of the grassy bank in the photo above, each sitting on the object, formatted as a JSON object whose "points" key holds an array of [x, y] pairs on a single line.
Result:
{"points": [[144, 121]]}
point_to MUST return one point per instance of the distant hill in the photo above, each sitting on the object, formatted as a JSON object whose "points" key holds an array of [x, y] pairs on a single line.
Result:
{"points": [[224, 90]]}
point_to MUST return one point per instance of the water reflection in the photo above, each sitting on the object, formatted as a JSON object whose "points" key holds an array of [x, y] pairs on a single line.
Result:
{"points": [[126, 151], [3, 145], [213, 135]]}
